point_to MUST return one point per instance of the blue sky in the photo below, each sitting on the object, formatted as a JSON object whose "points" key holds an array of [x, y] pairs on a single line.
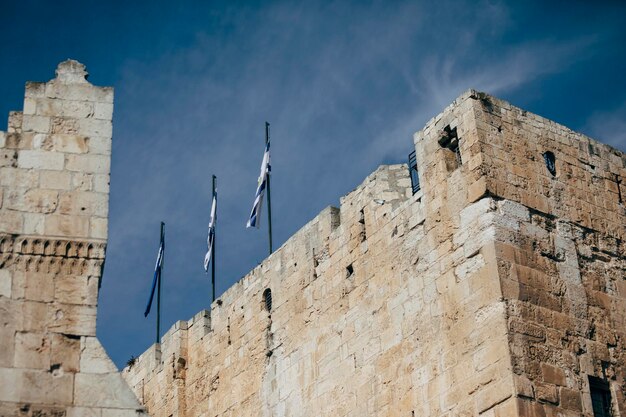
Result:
{"points": [[344, 85]]}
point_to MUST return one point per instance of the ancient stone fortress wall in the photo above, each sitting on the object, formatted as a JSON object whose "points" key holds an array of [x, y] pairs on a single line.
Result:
{"points": [[561, 257], [54, 185], [499, 289]]}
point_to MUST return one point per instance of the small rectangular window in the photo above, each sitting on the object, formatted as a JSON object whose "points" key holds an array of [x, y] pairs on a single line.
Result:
{"points": [[415, 179], [600, 397]]}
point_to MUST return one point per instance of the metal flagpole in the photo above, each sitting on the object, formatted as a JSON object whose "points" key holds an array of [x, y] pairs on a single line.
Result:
{"points": [[158, 326], [213, 246], [269, 200]]}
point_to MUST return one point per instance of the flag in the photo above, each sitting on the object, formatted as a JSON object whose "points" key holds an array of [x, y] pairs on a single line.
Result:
{"points": [[157, 274], [255, 215], [211, 237]]}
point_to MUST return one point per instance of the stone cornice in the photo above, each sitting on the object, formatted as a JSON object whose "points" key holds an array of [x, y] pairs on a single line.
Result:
{"points": [[38, 254]]}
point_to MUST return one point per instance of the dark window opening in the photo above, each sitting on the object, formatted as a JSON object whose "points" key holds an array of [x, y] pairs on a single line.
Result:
{"points": [[550, 160], [415, 179], [267, 299], [600, 397], [363, 233], [449, 140], [618, 182], [349, 271]]}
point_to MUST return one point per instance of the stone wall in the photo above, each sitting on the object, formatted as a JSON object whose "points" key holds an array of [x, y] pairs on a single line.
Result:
{"points": [[496, 290], [561, 258], [54, 185]]}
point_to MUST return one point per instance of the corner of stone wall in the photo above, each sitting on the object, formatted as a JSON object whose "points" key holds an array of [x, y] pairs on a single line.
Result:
{"points": [[54, 185]]}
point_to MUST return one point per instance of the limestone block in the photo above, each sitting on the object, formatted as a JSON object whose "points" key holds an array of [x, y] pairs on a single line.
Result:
{"points": [[35, 90], [7, 347], [11, 222], [31, 201], [64, 108], [39, 124], [14, 177], [32, 350], [98, 228], [3, 139], [15, 122], [50, 387], [71, 319], [55, 180], [93, 358], [5, 283], [10, 392], [30, 106], [79, 92], [103, 390], [100, 145], [61, 125], [72, 289], [33, 286], [84, 412], [67, 226], [84, 203], [65, 352], [97, 164], [103, 111], [96, 127], [63, 142], [34, 223], [82, 181], [33, 317], [39, 159], [101, 183]]}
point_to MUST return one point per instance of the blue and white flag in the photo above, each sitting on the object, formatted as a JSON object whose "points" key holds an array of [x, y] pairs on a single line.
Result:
{"points": [[211, 237], [255, 215], [157, 274]]}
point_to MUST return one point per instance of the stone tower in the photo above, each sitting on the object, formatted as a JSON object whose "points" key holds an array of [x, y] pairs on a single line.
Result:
{"points": [[54, 180], [497, 290]]}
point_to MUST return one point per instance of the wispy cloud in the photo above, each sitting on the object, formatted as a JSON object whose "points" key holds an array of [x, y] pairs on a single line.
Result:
{"points": [[609, 127]]}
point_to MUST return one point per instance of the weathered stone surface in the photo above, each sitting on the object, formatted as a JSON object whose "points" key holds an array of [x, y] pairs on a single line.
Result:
{"points": [[93, 358], [52, 244], [495, 291], [103, 390]]}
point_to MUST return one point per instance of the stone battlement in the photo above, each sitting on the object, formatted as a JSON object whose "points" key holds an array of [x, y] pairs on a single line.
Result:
{"points": [[497, 290]]}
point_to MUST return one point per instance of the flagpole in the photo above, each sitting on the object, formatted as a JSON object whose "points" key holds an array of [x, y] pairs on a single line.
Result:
{"points": [[158, 326], [213, 249], [269, 200]]}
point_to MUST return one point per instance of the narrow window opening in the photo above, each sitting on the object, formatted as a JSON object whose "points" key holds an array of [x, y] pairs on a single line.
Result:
{"points": [[619, 189], [267, 299], [349, 271], [363, 233], [550, 160], [415, 179], [600, 397], [450, 141]]}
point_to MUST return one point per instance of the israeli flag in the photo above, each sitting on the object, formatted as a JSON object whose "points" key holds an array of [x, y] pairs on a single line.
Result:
{"points": [[266, 168], [211, 237], [157, 274]]}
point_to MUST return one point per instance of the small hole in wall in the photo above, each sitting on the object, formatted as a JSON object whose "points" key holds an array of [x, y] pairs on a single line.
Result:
{"points": [[349, 271], [550, 161], [267, 299]]}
